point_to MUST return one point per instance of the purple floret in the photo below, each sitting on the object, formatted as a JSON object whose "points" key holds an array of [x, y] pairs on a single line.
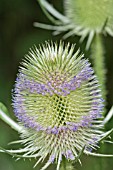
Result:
{"points": [[63, 89]]}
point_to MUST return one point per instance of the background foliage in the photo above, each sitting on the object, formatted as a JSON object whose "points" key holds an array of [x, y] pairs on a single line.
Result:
{"points": [[17, 35]]}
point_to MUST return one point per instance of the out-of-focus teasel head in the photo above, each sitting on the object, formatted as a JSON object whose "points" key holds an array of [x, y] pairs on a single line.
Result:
{"points": [[57, 100], [83, 18]]}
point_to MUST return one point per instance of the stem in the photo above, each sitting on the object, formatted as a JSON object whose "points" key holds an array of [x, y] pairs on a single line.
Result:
{"points": [[99, 67], [99, 63], [64, 164], [10, 122]]}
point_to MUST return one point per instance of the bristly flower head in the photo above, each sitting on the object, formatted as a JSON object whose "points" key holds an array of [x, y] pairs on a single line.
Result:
{"points": [[91, 15], [83, 18], [57, 99]]}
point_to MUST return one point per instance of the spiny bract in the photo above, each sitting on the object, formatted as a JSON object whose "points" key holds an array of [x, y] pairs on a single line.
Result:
{"points": [[57, 99]]}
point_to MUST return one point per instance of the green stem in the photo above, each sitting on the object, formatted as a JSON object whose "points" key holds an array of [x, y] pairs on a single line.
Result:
{"points": [[10, 122], [99, 67], [99, 63], [66, 165]]}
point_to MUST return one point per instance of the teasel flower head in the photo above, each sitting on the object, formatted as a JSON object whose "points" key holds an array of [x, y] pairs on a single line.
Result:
{"points": [[83, 18], [58, 102]]}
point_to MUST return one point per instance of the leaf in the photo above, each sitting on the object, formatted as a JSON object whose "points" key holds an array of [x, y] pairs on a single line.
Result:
{"points": [[4, 108]]}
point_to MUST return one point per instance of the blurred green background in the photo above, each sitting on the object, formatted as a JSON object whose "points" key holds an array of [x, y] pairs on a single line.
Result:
{"points": [[17, 35]]}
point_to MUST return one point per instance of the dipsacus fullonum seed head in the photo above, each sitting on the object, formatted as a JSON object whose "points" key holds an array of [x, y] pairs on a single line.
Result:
{"points": [[57, 99], [91, 15], [84, 18]]}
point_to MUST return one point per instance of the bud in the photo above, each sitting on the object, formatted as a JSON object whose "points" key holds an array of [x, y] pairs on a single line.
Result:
{"points": [[57, 100]]}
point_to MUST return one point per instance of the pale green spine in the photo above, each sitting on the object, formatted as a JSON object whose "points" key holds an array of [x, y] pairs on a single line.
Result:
{"points": [[99, 62]]}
